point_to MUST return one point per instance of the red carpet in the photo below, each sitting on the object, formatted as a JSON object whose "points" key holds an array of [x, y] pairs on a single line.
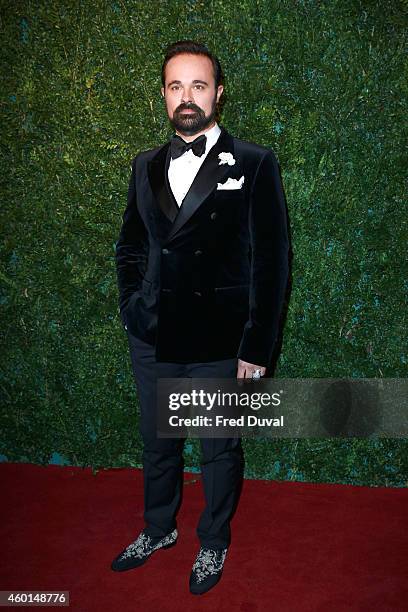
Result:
{"points": [[295, 546]]}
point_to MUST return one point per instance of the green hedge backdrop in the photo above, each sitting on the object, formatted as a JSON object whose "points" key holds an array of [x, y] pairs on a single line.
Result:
{"points": [[322, 83]]}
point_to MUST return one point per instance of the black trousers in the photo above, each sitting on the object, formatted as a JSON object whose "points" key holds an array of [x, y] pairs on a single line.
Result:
{"points": [[222, 459]]}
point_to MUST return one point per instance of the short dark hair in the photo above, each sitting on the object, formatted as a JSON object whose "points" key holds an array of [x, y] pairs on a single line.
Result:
{"points": [[195, 48]]}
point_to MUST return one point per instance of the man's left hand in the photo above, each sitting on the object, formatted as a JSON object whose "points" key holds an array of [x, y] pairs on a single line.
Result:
{"points": [[245, 369]]}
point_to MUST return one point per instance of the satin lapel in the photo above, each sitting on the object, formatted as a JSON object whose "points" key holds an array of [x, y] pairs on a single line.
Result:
{"points": [[157, 170], [209, 174]]}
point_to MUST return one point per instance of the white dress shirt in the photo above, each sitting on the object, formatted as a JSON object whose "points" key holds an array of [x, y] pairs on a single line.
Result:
{"points": [[183, 170]]}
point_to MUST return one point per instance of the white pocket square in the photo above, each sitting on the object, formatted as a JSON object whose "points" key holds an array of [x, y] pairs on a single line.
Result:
{"points": [[231, 183]]}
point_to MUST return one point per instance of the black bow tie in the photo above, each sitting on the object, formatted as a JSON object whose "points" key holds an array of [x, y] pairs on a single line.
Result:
{"points": [[178, 146]]}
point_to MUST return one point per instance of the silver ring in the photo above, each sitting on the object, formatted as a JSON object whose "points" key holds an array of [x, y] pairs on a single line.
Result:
{"points": [[256, 374]]}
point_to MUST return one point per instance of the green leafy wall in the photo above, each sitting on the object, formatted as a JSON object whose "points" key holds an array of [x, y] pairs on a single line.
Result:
{"points": [[322, 83]]}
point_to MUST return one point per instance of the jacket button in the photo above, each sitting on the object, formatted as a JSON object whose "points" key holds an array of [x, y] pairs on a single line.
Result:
{"points": [[165, 251], [213, 216], [198, 252]]}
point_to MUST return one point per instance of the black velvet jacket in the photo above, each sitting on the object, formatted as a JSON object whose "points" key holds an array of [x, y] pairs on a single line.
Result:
{"points": [[205, 281]]}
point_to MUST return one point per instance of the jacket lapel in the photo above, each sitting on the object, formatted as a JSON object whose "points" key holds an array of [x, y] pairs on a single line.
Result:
{"points": [[209, 174], [157, 172]]}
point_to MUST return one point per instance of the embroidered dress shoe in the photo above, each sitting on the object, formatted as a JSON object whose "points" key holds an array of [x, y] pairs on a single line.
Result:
{"points": [[137, 553], [207, 570]]}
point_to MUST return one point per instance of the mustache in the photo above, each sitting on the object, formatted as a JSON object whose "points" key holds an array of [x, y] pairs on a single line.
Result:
{"points": [[188, 107]]}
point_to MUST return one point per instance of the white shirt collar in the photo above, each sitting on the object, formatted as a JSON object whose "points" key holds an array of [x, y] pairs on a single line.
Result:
{"points": [[212, 136]]}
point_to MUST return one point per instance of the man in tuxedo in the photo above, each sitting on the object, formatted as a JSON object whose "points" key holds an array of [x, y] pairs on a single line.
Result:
{"points": [[202, 265]]}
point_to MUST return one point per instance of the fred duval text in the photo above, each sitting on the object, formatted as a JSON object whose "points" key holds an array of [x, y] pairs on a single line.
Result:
{"points": [[249, 420]]}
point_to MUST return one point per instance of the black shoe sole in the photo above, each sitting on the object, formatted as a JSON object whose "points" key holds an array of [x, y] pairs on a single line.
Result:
{"points": [[139, 563]]}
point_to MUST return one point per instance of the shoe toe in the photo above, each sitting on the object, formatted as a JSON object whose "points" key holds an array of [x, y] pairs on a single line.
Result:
{"points": [[121, 564], [199, 588], [207, 570]]}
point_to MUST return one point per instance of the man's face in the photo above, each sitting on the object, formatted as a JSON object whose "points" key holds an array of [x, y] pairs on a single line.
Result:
{"points": [[190, 94]]}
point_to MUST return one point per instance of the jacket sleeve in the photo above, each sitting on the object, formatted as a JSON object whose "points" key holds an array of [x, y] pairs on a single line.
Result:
{"points": [[131, 248], [269, 263]]}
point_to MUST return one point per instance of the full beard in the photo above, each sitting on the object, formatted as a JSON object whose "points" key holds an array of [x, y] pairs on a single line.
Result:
{"points": [[192, 123]]}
